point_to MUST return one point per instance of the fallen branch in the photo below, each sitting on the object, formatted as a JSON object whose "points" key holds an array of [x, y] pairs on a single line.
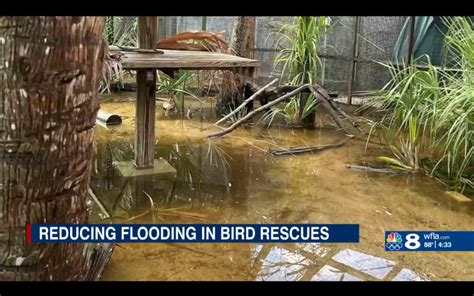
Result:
{"points": [[256, 111], [319, 93], [139, 215], [190, 249], [184, 214], [273, 93], [334, 106], [375, 170], [244, 103], [323, 97], [304, 149], [347, 117]]}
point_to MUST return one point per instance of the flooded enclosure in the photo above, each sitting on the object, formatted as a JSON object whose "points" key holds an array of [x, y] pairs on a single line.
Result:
{"points": [[235, 179], [238, 148]]}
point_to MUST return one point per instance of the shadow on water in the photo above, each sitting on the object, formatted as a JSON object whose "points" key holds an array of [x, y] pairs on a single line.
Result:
{"points": [[235, 180]]}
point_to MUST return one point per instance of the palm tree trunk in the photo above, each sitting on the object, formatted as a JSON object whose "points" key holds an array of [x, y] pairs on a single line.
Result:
{"points": [[232, 94], [50, 69], [242, 39]]}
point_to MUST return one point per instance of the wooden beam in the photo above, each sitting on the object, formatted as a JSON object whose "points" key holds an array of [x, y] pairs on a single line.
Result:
{"points": [[204, 24], [147, 31], [183, 59], [352, 72], [411, 38], [146, 88], [145, 119], [251, 40]]}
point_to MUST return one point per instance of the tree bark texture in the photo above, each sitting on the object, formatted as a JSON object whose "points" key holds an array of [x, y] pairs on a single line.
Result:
{"points": [[50, 69], [242, 40], [242, 43]]}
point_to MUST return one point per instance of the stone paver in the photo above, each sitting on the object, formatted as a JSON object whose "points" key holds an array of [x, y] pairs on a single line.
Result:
{"points": [[329, 273], [283, 265], [368, 264], [313, 248], [407, 275]]}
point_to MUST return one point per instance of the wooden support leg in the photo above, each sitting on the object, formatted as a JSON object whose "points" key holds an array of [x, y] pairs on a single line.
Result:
{"points": [[145, 119]]}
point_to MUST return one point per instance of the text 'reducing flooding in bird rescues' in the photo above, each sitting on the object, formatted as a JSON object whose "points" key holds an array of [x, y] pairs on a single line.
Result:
{"points": [[38, 233]]}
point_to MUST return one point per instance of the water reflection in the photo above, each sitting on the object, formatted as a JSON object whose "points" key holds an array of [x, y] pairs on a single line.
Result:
{"points": [[203, 178]]}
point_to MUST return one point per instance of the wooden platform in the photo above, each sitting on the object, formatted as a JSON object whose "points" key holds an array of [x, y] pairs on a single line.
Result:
{"points": [[145, 61], [189, 60]]}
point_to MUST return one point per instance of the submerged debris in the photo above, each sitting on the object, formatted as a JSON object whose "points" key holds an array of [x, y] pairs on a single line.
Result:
{"points": [[304, 149], [375, 170], [456, 196]]}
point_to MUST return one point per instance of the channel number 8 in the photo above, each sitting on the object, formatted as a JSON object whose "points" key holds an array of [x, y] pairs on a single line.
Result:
{"points": [[412, 241]]}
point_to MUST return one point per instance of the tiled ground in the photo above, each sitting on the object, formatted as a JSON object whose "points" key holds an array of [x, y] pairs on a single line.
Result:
{"points": [[315, 263]]}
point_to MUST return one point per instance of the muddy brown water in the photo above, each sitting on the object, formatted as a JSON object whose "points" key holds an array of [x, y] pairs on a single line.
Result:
{"points": [[235, 180]]}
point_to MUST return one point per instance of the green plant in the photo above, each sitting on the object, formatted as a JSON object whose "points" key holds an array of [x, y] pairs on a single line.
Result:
{"points": [[300, 46], [429, 113], [290, 112], [109, 29], [125, 31], [176, 88], [234, 117]]}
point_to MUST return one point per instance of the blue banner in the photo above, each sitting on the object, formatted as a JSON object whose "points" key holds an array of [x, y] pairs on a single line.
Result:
{"points": [[193, 233], [434, 241]]}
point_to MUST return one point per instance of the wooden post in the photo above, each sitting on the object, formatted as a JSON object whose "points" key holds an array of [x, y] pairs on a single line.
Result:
{"points": [[411, 38], [251, 40], [352, 72], [204, 24], [146, 87], [308, 121]]}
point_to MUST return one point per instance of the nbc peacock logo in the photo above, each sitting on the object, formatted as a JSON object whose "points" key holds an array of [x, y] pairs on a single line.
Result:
{"points": [[394, 241]]}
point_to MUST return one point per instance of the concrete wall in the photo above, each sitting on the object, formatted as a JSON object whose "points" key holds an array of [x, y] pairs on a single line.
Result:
{"points": [[377, 37]]}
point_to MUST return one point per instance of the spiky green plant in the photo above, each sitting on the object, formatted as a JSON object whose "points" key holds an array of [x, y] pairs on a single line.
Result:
{"points": [[429, 120], [125, 33], [290, 112], [177, 88], [300, 46]]}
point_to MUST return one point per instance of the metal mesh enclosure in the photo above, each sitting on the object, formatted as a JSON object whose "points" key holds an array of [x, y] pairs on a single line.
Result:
{"points": [[376, 39]]}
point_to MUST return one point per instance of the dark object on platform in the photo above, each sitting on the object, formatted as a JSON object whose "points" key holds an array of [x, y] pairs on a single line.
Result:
{"points": [[108, 119], [304, 149]]}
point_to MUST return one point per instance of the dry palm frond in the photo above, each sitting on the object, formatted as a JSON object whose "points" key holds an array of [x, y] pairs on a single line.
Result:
{"points": [[111, 70], [195, 41]]}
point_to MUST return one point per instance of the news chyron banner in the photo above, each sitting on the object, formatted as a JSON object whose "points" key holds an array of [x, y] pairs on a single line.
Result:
{"points": [[192, 233], [394, 241], [429, 241]]}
